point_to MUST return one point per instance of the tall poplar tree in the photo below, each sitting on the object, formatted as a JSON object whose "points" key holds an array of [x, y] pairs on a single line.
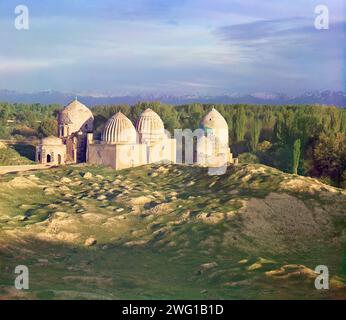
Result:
{"points": [[296, 155], [255, 132], [239, 125]]}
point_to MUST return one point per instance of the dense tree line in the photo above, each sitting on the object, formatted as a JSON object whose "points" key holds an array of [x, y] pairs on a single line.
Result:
{"points": [[27, 120], [303, 139]]}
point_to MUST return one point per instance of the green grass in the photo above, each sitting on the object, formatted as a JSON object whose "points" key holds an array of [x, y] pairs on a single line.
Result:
{"points": [[177, 240]]}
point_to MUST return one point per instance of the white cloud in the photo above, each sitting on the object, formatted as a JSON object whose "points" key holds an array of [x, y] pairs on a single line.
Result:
{"points": [[8, 65], [157, 45]]}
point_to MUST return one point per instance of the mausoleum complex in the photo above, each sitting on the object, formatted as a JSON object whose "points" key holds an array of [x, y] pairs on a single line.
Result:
{"points": [[124, 145]]}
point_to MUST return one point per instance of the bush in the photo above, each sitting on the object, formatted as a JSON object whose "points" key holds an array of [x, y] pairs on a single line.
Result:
{"points": [[9, 156], [343, 182], [248, 158], [264, 146], [23, 130], [327, 180], [5, 132], [48, 127]]}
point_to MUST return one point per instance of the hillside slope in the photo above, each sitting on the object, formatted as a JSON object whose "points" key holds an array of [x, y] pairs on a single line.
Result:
{"points": [[171, 232], [16, 154]]}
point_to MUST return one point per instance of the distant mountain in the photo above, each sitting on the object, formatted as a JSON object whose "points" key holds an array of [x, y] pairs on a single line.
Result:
{"points": [[337, 98]]}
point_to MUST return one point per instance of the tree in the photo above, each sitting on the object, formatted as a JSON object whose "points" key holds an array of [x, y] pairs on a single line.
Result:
{"points": [[4, 112], [48, 127], [29, 118], [329, 156], [239, 124], [279, 130], [255, 132], [296, 156], [343, 121], [343, 180]]}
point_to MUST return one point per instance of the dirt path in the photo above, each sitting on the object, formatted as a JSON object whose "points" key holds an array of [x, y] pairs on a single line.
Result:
{"points": [[22, 168]]}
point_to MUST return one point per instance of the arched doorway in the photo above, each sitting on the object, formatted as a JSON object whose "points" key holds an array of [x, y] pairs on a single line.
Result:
{"points": [[49, 158], [59, 158]]}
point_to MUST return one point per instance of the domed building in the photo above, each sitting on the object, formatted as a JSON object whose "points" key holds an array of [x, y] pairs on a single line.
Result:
{"points": [[123, 146], [119, 129], [118, 147], [151, 132], [51, 150], [150, 127], [214, 123], [74, 118], [213, 147], [75, 121]]}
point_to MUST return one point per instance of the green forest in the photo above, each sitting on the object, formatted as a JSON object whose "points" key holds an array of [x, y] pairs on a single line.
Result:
{"points": [[308, 140]]}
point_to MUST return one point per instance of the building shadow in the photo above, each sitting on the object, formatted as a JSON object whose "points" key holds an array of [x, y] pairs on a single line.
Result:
{"points": [[25, 150]]}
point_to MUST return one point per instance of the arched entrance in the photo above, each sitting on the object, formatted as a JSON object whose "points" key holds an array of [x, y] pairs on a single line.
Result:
{"points": [[59, 158], [49, 158]]}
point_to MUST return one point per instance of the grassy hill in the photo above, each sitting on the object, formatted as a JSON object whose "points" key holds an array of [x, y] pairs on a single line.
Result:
{"points": [[170, 232], [16, 154]]}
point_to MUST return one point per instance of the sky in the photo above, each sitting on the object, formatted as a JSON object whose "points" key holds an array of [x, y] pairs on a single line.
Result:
{"points": [[205, 47]]}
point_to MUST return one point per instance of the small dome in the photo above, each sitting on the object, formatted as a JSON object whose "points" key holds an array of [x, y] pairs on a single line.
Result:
{"points": [[214, 120], [216, 124], [75, 113], [52, 141], [150, 126], [119, 129]]}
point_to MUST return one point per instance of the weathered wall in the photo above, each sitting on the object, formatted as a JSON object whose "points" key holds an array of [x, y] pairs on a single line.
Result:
{"points": [[101, 154], [121, 156], [56, 153], [130, 155], [162, 151], [118, 156]]}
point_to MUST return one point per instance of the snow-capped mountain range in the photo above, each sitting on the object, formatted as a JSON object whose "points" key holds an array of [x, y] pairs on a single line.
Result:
{"points": [[337, 98]]}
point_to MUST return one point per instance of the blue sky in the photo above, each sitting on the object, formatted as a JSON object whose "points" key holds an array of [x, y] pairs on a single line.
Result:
{"points": [[122, 47]]}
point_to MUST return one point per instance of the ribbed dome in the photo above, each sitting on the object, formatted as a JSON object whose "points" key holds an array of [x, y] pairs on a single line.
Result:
{"points": [[52, 141], [150, 126], [75, 113], [119, 129]]}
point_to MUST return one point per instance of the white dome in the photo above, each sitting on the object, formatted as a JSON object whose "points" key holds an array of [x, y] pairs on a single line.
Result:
{"points": [[119, 129], [77, 116], [150, 126], [213, 122]]}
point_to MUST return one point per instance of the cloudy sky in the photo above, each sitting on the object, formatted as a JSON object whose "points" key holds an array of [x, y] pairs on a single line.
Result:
{"points": [[108, 47]]}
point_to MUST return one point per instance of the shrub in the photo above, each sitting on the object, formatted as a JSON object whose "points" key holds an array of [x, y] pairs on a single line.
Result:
{"points": [[248, 157]]}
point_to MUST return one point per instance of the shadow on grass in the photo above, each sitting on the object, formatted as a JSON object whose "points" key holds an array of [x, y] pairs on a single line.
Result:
{"points": [[25, 150], [66, 271]]}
